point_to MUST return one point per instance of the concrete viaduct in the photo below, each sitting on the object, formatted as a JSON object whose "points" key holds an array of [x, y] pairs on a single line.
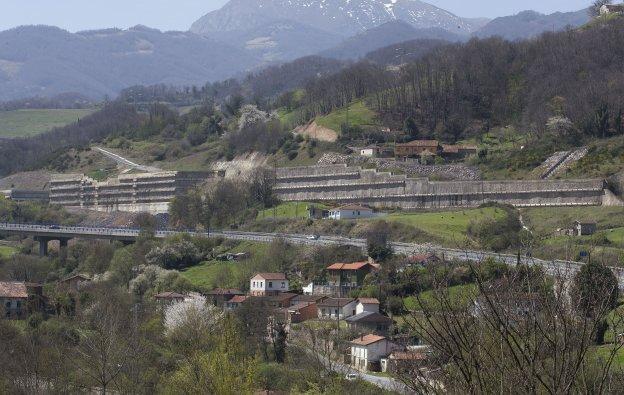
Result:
{"points": [[44, 234]]}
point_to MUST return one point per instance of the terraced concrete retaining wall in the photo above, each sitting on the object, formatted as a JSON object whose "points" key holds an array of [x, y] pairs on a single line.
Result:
{"points": [[344, 184]]}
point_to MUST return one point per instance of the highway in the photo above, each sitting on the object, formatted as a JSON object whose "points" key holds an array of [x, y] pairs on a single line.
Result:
{"points": [[128, 235]]}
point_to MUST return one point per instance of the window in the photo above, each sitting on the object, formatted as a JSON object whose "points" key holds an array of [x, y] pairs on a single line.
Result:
{"points": [[336, 312], [283, 284], [270, 284]]}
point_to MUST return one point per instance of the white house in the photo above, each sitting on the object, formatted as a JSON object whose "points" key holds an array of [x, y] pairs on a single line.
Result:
{"points": [[351, 212], [336, 308], [612, 9], [370, 349], [370, 305], [267, 284]]}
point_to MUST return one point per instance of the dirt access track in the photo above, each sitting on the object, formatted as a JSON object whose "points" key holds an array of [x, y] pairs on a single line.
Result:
{"points": [[317, 132]]}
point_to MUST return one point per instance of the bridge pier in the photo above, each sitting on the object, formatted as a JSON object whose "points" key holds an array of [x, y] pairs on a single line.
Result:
{"points": [[43, 245], [63, 249]]}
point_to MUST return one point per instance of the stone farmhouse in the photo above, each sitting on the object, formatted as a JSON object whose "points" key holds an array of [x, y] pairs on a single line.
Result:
{"points": [[14, 299]]}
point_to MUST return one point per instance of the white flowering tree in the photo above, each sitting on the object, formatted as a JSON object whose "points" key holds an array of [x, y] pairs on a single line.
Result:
{"points": [[190, 323]]}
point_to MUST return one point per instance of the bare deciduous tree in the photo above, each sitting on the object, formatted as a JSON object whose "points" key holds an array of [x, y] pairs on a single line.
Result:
{"points": [[519, 334]]}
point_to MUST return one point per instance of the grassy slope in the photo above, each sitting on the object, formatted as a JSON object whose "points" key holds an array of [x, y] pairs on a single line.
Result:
{"points": [[359, 115], [547, 220], [610, 222], [288, 210], [21, 123], [450, 226], [7, 251], [461, 294], [212, 274]]}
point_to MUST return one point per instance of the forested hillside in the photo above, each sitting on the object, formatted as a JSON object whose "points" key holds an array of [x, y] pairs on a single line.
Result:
{"points": [[464, 89], [562, 89]]}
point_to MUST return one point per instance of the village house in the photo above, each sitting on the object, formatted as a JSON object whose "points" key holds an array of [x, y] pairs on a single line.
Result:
{"points": [[14, 299], [586, 228], [608, 9], [368, 350], [275, 301], [351, 211], [307, 299], [300, 312], [431, 148], [367, 305], [370, 322], [169, 297], [336, 308], [219, 296], [406, 362], [265, 284], [236, 302], [579, 228], [344, 277], [376, 151], [417, 148]]}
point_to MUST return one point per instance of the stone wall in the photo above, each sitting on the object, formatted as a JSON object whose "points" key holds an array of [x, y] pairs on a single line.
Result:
{"points": [[141, 192], [342, 184]]}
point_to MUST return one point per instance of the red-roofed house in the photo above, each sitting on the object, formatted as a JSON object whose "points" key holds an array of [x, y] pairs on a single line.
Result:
{"points": [[219, 296], [348, 276], [265, 284], [300, 312], [418, 148], [236, 302], [169, 297], [368, 350], [13, 299]]}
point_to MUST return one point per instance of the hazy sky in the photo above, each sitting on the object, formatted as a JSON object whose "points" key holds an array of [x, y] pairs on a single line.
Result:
{"points": [[77, 15]]}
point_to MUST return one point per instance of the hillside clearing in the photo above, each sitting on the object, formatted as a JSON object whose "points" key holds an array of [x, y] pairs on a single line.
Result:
{"points": [[23, 123]]}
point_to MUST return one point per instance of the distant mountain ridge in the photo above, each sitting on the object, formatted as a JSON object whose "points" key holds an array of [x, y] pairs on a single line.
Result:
{"points": [[344, 18], [528, 24], [46, 61], [389, 33], [243, 36]]}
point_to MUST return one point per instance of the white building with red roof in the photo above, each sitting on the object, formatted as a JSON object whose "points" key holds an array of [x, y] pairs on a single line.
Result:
{"points": [[368, 350], [266, 284]]}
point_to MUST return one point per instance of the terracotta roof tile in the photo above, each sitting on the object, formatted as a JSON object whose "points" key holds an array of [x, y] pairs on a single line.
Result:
{"points": [[367, 339], [348, 266], [368, 300], [169, 295], [238, 299], [13, 289], [420, 143], [270, 276]]}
